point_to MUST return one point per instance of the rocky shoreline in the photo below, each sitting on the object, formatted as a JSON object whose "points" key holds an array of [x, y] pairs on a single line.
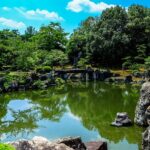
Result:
{"points": [[41, 143], [142, 114], [41, 80]]}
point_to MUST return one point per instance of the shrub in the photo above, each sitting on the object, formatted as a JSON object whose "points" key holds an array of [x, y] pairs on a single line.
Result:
{"points": [[147, 62], [47, 68], [39, 69], [39, 84], [59, 81], [82, 62], [6, 147], [43, 69], [55, 58], [135, 67]]}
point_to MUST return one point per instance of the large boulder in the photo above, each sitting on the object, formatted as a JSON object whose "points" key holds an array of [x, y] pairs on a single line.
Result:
{"points": [[122, 119], [146, 139], [39, 143], [96, 145], [75, 143], [143, 103], [147, 114]]}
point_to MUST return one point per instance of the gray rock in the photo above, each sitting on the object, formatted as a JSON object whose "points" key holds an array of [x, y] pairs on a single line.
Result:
{"points": [[147, 114], [75, 143], [122, 119], [96, 145], [143, 103], [146, 139], [39, 143], [128, 79]]}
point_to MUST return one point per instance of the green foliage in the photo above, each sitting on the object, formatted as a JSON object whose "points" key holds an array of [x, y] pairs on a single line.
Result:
{"points": [[6, 147], [50, 37], [38, 84], [43, 69], [34, 48], [147, 62], [82, 63], [107, 41], [127, 62], [135, 67], [55, 57], [59, 81], [115, 35]]}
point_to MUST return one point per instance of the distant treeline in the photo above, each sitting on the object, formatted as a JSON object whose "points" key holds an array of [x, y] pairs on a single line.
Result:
{"points": [[119, 37]]}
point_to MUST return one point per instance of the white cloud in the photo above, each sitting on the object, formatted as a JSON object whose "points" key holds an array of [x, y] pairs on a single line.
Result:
{"points": [[6, 8], [39, 14], [11, 23], [87, 5]]}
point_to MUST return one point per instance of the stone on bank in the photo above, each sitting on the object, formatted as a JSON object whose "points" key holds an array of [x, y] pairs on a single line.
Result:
{"points": [[41, 143], [142, 114]]}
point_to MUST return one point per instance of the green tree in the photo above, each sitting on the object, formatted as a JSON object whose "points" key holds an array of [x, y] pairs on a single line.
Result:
{"points": [[50, 37]]}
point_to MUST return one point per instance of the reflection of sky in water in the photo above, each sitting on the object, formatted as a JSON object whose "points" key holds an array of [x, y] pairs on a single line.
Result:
{"points": [[17, 105], [69, 125]]}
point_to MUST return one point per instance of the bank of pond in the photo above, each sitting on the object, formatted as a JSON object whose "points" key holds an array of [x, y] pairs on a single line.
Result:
{"points": [[42, 79]]}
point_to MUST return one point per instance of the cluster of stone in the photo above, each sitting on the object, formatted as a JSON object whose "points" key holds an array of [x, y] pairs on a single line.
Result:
{"points": [[142, 114], [41, 143]]}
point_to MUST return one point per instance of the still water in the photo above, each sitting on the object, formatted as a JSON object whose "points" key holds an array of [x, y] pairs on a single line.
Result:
{"points": [[76, 109]]}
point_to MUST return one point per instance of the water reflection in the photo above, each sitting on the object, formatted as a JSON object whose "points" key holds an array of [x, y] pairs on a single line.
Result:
{"points": [[76, 109]]}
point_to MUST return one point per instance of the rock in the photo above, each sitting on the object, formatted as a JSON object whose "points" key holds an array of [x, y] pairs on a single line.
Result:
{"points": [[147, 114], [147, 74], [116, 75], [146, 139], [43, 77], [15, 86], [128, 79], [109, 80], [141, 82], [143, 103], [122, 119], [28, 80], [34, 76], [96, 145], [39, 143], [75, 143], [104, 75], [138, 74], [118, 79]]}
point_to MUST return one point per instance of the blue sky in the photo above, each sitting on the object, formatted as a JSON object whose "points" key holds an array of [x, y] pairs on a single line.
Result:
{"points": [[18, 14]]}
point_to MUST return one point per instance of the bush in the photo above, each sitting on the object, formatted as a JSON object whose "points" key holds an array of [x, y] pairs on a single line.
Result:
{"points": [[82, 62], [55, 58], [43, 69], [47, 68], [127, 62], [6, 147], [39, 84], [59, 81], [147, 62], [135, 67]]}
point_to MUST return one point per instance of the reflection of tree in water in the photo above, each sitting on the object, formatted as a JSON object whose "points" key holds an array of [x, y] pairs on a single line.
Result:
{"points": [[97, 105], [21, 122], [46, 105], [51, 105]]}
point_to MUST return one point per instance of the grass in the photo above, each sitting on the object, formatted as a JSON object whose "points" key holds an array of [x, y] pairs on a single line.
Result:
{"points": [[6, 147]]}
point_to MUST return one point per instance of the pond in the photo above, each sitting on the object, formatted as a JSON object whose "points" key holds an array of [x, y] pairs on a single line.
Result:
{"points": [[75, 109]]}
